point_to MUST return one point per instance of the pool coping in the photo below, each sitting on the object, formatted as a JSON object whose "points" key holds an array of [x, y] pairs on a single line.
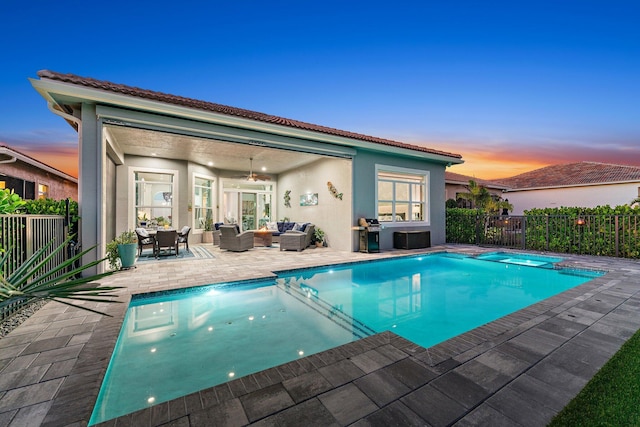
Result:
{"points": [[549, 350]]}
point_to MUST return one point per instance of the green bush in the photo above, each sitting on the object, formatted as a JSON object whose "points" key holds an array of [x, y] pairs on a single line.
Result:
{"points": [[10, 202]]}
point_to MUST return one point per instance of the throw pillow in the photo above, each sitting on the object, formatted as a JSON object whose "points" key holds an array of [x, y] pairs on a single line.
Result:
{"points": [[142, 232], [298, 227], [272, 226]]}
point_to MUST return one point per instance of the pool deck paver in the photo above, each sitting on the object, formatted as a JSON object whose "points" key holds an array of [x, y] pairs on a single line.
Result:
{"points": [[519, 370]]}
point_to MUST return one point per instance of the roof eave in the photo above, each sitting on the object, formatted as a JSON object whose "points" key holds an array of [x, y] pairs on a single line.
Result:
{"points": [[510, 190], [36, 163], [51, 90]]}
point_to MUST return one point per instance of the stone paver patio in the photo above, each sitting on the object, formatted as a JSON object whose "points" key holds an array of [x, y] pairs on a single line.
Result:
{"points": [[518, 370]]}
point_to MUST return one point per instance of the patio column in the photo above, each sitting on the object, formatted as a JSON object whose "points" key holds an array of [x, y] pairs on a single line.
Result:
{"points": [[91, 157]]}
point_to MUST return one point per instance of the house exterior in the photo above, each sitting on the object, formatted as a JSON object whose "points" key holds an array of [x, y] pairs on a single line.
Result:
{"points": [[32, 179], [582, 184], [147, 155], [456, 184]]}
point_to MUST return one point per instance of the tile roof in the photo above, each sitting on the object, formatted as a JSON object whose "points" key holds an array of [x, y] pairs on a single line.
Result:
{"points": [[6, 150], [573, 174], [455, 178], [223, 109]]}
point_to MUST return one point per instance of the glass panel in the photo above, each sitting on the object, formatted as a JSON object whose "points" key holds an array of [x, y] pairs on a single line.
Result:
{"points": [[402, 212], [249, 211], [202, 202], [417, 210], [402, 191], [153, 198], [230, 202], [385, 211], [385, 190], [264, 209]]}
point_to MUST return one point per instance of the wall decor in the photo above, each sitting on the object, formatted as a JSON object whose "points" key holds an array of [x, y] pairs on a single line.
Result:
{"points": [[309, 199], [287, 198], [333, 191]]}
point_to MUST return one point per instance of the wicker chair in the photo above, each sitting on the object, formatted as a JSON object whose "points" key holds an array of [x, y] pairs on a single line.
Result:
{"points": [[183, 236], [145, 239], [231, 240], [297, 240], [166, 239]]}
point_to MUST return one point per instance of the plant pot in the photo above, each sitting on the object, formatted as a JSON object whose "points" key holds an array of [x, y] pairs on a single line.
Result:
{"points": [[127, 254], [319, 244], [207, 237]]}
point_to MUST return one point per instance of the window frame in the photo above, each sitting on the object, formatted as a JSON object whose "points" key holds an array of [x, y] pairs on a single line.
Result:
{"points": [[424, 175], [175, 197], [197, 228]]}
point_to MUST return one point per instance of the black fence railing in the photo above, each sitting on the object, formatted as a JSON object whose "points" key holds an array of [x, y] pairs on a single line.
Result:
{"points": [[21, 236], [604, 235]]}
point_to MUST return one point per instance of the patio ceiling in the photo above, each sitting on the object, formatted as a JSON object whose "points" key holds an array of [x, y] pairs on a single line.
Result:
{"points": [[222, 155]]}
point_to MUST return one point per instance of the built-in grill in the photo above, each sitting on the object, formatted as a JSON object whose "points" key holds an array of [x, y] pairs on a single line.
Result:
{"points": [[369, 235]]}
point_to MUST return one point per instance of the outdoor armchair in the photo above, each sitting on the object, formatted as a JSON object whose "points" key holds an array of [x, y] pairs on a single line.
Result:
{"points": [[232, 240], [297, 240]]}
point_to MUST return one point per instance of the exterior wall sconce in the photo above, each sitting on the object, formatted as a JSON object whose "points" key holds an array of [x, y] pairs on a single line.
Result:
{"points": [[580, 221]]}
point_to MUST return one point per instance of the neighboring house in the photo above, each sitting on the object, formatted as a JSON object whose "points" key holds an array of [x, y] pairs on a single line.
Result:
{"points": [[145, 155], [455, 184], [32, 179], [584, 184]]}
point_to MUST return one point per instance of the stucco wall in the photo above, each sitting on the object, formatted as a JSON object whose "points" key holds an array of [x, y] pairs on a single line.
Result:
{"points": [[591, 196], [331, 214], [364, 195]]}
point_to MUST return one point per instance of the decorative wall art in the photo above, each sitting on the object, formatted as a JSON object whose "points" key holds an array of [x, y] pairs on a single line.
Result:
{"points": [[309, 199], [287, 198], [334, 191]]}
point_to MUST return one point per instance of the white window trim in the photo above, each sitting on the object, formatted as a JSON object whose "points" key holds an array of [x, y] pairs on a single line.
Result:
{"points": [[427, 195], [214, 198], [131, 220]]}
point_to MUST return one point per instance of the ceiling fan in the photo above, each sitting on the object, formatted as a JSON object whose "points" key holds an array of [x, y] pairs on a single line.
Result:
{"points": [[254, 176]]}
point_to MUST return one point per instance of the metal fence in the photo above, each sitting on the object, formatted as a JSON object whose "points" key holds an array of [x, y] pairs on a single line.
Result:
{"points": [[604, 235], [22, 235]]}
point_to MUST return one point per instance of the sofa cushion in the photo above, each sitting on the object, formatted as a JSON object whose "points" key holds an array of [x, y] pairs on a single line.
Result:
{"points": [[218, 224], [285, 226]]}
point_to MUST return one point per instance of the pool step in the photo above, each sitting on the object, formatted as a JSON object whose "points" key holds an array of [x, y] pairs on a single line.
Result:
{"points": [[308, 296]]}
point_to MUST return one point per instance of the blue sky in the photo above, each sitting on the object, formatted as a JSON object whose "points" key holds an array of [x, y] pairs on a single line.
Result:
{"points": [[511, 86]]}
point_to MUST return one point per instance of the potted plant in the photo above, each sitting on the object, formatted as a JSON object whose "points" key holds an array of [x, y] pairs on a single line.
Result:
{"points": [[318, 237], [121, 251], [207, 234]]}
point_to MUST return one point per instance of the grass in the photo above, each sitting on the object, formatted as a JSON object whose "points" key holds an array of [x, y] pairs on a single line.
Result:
{"points": [[612, 397]]}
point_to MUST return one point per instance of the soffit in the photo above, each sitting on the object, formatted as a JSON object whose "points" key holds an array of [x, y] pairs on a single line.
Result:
{"points": [[223, 155]]}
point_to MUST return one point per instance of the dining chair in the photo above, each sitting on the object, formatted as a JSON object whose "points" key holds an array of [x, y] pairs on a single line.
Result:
{"points": [[166, 239]]}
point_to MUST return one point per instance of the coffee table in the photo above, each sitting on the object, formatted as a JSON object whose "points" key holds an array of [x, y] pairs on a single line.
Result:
{"points": [[263, 237]]}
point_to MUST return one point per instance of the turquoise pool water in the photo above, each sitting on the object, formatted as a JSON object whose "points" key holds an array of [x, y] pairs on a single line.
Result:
{"points": [[177, 343]]}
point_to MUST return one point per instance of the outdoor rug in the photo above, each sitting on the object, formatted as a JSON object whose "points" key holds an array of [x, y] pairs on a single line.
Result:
{"points": [[195, 252]]}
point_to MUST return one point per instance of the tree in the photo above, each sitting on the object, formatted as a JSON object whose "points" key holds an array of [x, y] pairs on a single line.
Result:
{"points": [[483, 200]]}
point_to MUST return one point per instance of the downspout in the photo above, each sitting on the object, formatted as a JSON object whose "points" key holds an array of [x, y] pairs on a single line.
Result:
{"points": [[64, 115]]}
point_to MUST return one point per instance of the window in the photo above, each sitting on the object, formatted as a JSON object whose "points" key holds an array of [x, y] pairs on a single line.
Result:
{"points": [[154, 198], [402, 195], [202, 202], [43, 191]]}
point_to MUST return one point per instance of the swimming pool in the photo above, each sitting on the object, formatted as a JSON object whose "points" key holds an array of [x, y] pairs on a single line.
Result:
{"points": [[177, 343]]}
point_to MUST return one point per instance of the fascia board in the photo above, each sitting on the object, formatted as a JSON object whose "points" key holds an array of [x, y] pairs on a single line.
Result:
{"points": [[84, 94]]}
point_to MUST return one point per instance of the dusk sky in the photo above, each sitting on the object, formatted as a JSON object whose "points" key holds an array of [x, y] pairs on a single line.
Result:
{"points": [[511, 86]]}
